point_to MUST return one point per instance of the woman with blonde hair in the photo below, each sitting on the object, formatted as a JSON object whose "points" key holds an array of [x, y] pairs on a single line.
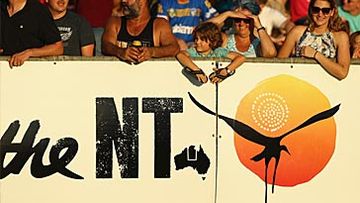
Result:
{"points": [[323, 40]]}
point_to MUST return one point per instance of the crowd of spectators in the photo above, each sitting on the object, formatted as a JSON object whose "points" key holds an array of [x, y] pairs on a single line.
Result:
{"points": [[137, 30]]}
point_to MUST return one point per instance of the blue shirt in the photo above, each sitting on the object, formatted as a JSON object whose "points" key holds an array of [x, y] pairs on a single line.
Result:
{"points": [[184, 18]]}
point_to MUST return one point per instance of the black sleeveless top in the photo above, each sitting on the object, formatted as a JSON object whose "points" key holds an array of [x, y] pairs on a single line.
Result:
{"points": [[124, 39]]}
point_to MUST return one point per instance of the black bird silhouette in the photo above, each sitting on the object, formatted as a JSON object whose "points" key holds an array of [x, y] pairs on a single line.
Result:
{"points": [[272, 145]]}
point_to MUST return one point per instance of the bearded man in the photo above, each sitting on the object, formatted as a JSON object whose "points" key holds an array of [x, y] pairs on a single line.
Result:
{"points": [[136, 36]]}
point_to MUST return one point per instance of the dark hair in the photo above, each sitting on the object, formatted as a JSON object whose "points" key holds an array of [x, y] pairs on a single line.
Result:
{"points": [[209, 32], [352, 41], [335, 22]]}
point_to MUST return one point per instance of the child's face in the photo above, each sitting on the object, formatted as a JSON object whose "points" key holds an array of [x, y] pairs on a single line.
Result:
{"points": [[202, 46], [356, 46]]}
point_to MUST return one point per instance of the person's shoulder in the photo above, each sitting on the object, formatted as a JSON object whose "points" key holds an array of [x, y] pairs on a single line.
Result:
{"points": [[78, 20], [73, 14], [298, 29], [113, 21], [77, 17], [221, 51], [340, 35], [161, 22], [296, 32]]}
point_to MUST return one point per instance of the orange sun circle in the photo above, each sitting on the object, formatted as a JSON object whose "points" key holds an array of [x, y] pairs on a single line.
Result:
{"points": [[276, 106]]}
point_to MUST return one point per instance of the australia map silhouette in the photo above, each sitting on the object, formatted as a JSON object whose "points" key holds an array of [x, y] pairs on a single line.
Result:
{"points": [[197, 160], [272, 145]]}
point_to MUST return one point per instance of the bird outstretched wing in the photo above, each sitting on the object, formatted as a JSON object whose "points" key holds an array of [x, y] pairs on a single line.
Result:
{"points": [[318, 117], [240, 128]]}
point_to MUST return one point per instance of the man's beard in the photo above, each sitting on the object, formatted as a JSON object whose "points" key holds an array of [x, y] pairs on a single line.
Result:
{"points": [[130, 12]]}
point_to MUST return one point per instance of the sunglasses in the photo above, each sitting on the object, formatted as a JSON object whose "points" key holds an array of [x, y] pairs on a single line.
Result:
{"points": [[239, 20], [316, 10]]}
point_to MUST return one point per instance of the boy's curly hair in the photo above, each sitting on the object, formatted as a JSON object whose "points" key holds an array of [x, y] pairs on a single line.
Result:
{"points": [[209, 32]]}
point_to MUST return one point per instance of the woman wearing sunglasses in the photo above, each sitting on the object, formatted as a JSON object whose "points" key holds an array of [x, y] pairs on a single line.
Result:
{"points": [[243, 40], [323, 40]]}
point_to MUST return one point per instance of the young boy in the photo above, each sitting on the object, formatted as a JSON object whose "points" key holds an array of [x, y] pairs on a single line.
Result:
{"points": [[208, 42]]}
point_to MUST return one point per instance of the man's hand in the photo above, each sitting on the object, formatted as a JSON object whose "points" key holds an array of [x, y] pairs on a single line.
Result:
{"points": [[145, 54], [129, 54], [18, 59], [135, 54]]}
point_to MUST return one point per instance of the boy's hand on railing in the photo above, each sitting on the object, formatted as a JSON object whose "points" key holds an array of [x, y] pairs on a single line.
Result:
{"points": [[220, 74]]}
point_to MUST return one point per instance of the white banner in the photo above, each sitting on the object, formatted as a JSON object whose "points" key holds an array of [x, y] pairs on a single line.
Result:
{"points": [[101, 131]]}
